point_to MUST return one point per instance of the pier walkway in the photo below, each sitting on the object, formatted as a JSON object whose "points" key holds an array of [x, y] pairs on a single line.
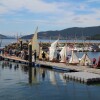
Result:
{"points": [[53, 65], [72, 67], [14, 59]]}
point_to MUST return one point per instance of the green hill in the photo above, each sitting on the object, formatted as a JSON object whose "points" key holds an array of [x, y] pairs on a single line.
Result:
{"points": [[70, 33], [95, 37], [3, 36]]}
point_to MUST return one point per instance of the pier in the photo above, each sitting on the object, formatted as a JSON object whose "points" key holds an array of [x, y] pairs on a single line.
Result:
{"points": [[62, 66], [13, 59], [84, 77], [53, 65]]}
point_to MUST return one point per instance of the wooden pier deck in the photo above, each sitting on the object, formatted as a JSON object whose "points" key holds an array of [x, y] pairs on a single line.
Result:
{"points": [[14, 59], [54, 65], [71, 67]]}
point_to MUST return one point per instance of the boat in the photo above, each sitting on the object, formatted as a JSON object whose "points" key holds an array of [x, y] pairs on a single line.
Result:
{"points": [[35, 43], [63, 54], [85, 60], [0, 42], [74, 59], [53, 51]]}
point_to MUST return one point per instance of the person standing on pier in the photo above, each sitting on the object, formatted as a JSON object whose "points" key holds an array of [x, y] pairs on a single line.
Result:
{"points": [[58, 56], [43, 56], [3, 51], [22, 54], [94, 61], [97, 65], [10, 52], [67, 59]]}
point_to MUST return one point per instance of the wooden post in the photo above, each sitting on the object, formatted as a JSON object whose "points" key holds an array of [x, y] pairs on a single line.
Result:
{"points": [[30, 63], [21, 45], [30, 53]]}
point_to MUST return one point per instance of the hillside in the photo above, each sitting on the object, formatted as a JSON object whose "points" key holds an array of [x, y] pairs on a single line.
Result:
{"points": [[95, 37], [70, 33], [5, 37]]}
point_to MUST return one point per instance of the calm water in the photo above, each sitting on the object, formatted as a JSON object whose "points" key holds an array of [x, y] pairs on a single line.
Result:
{"points": [[45, 84]]}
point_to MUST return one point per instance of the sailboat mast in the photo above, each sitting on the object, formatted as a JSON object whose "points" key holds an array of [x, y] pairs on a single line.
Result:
{"points": [[0, 41], [17, 37], [83, 40]]}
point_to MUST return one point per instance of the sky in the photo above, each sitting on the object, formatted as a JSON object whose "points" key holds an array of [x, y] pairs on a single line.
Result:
{"points": [[23, 16]]}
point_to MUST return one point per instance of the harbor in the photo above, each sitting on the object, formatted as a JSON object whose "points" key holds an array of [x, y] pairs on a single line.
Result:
{"points": [[35, 54], [23, 73], [49, 49]]}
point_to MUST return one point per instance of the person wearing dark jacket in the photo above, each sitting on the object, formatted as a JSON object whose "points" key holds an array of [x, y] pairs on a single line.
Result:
{"points": [[43, 56], [35, 55]]}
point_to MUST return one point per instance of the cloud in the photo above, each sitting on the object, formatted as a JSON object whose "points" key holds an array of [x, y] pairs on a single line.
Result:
{"points": [[90, 1], [3, 10], [48, 15], [36, 6]]}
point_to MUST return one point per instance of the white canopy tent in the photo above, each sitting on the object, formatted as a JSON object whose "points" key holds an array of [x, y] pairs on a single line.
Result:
{"points": [[34, 42], [53, 51], [74, 59], [85, 60], [63, 54]]}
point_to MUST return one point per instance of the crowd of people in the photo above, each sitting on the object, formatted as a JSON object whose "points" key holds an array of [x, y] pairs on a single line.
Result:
{"points": [[23, 54]]}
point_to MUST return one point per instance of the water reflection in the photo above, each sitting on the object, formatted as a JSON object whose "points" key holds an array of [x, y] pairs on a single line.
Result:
{"points": [[34, 75], [30, 75], [38, 75], [6, 64], [52, 77], [24, 68], [43, 74], [41, 84], [16, 67], [10, 66], [64, 80]]}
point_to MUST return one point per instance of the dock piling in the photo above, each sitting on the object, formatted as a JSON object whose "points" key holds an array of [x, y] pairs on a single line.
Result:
{"points": [[21, 45], [30, 63]]}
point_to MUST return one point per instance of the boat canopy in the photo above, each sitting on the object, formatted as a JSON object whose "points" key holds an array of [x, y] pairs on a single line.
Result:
{"points": [[34, 41], [74, 59], [85, 60], [53, 51], [63, 54]]}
